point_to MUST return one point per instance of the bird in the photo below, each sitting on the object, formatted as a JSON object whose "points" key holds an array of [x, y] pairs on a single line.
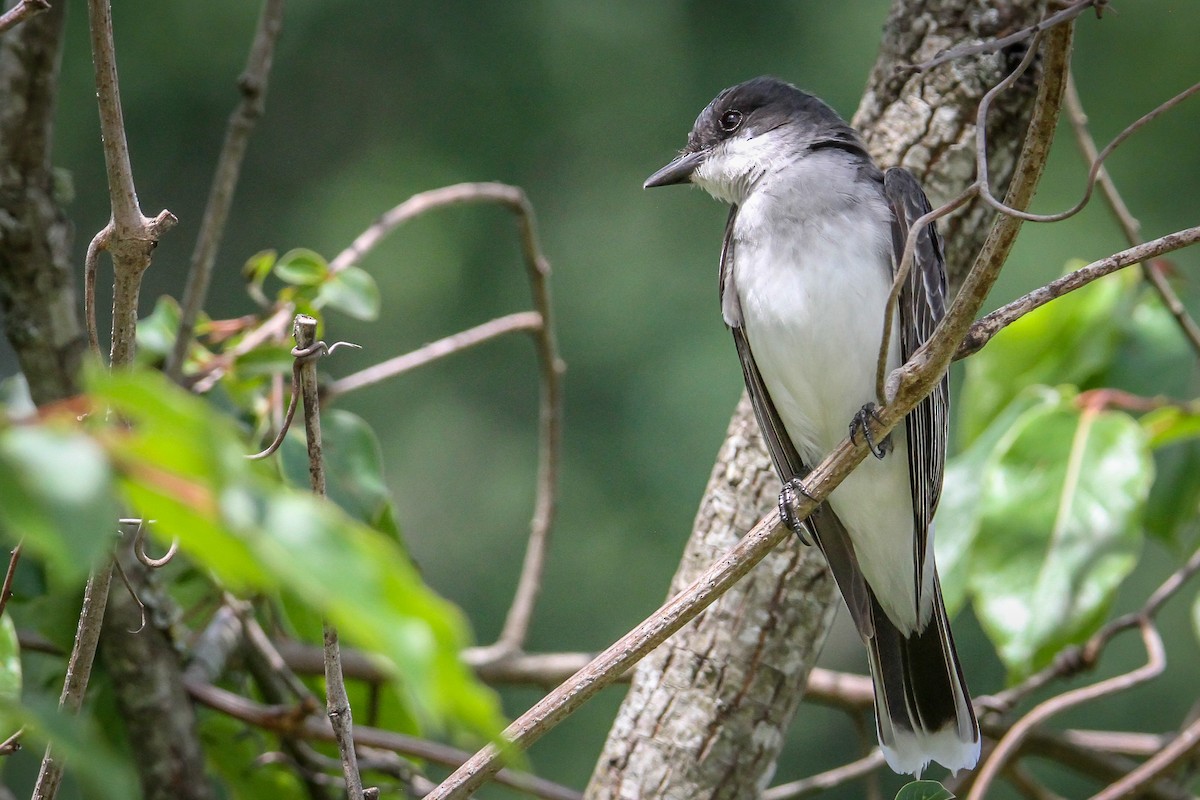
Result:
{"points": [[813, 239]]}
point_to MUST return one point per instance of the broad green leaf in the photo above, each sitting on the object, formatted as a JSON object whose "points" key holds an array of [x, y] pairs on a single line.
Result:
{"points": [[352, 291], [924, 790], [1059, 529], [959, 514], [1065, 341], [1153, 357], [235, 758], [301, 267], [10, 675], [353, 468], [1196, 616], [56, 491]]}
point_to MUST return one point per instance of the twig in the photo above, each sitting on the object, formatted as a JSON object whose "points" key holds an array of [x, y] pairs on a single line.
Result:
{"points": [[12, 744], [23, 10], [551, 368], [253, 87], [987, 327], [79, 670], [828, 779], [455, 343], [985, 191], [284, 720], [9, 574], [1155, 663], [90, 266], [994, 45], [308, 350], [1129, 225], [1158, 764]]}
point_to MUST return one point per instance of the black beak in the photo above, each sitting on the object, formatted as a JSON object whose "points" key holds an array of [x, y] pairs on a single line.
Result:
{"points": [[678, 171]]}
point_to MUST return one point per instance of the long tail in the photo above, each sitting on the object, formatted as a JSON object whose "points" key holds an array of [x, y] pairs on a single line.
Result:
{"points": [[923, 711]]}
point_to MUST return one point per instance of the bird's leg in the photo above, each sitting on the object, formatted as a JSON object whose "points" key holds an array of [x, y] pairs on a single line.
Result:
{"points": [[862, 422], [788, 497]]}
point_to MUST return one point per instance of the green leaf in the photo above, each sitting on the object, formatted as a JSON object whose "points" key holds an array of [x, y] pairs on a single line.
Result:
{"points": [[352, 291], [56, 491], [258, 267], [1065, 341], [353, 468], [960, 512], [924, 790], [1170, 425], [1059, 529], [1196, 616], [10, 675], [301, 267], [1174, 504]]}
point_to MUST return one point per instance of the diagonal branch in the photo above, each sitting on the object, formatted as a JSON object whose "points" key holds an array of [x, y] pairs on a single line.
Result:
{"points": [[23, 10], [253, 87]]}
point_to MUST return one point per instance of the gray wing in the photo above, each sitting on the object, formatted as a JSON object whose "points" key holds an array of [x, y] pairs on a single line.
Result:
{"points": [[922, 304], [824, 524]]}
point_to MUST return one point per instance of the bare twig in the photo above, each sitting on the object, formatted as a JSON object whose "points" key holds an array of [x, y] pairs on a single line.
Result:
{"points": [[1155, 663], [829, 779], [23, 10], [985, 189], [12, 744], [90, 266], [9, 574], [1129, 225], [987, 327], [994, 45], [455, 343], [1158, 764], [284, 719], [308, 350], [79, 671], [551, 368], [253, 87]]}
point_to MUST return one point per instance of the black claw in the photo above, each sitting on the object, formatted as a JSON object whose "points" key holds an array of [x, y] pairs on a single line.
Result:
{"points": [[787, 509], [862, 423]]}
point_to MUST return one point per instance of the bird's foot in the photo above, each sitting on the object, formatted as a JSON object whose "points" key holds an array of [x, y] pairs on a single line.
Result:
{"points": [[788, 497], [862, 422]]}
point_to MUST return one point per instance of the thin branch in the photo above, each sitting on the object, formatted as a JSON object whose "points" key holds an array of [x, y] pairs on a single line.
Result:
{"points": [[829, 779], [336, 701], [9, 574], [79, 671], [1155, 663], [1129, 225], [90, 266], [23, 10], [455, 343], [1157, 765], [995, 45], [550, 366], [985, 190], [284, 720], [253, 87], [987, 327]]}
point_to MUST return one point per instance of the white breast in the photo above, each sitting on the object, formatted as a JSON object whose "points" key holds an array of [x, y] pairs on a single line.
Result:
{"points": [[813, 281]]}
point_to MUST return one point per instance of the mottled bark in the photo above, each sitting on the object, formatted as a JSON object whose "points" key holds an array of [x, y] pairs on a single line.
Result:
{"points": [[37, 290], [706, 714]]}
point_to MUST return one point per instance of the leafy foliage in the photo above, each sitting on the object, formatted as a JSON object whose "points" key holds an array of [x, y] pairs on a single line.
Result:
{"points": [[924, 790]]}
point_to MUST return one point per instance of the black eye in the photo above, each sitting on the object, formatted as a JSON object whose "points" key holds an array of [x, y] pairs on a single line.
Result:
{"points": [[731, 120]]}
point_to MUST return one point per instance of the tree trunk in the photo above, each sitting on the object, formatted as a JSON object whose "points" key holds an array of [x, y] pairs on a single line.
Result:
{"points": [[707, 712]]}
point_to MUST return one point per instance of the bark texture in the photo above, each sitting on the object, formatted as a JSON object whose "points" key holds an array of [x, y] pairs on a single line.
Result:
{"points": [[37, 289], [706, 714]]}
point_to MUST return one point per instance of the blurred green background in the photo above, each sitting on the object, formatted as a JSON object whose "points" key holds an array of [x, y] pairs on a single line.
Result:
{"points": [[576, 102]]}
